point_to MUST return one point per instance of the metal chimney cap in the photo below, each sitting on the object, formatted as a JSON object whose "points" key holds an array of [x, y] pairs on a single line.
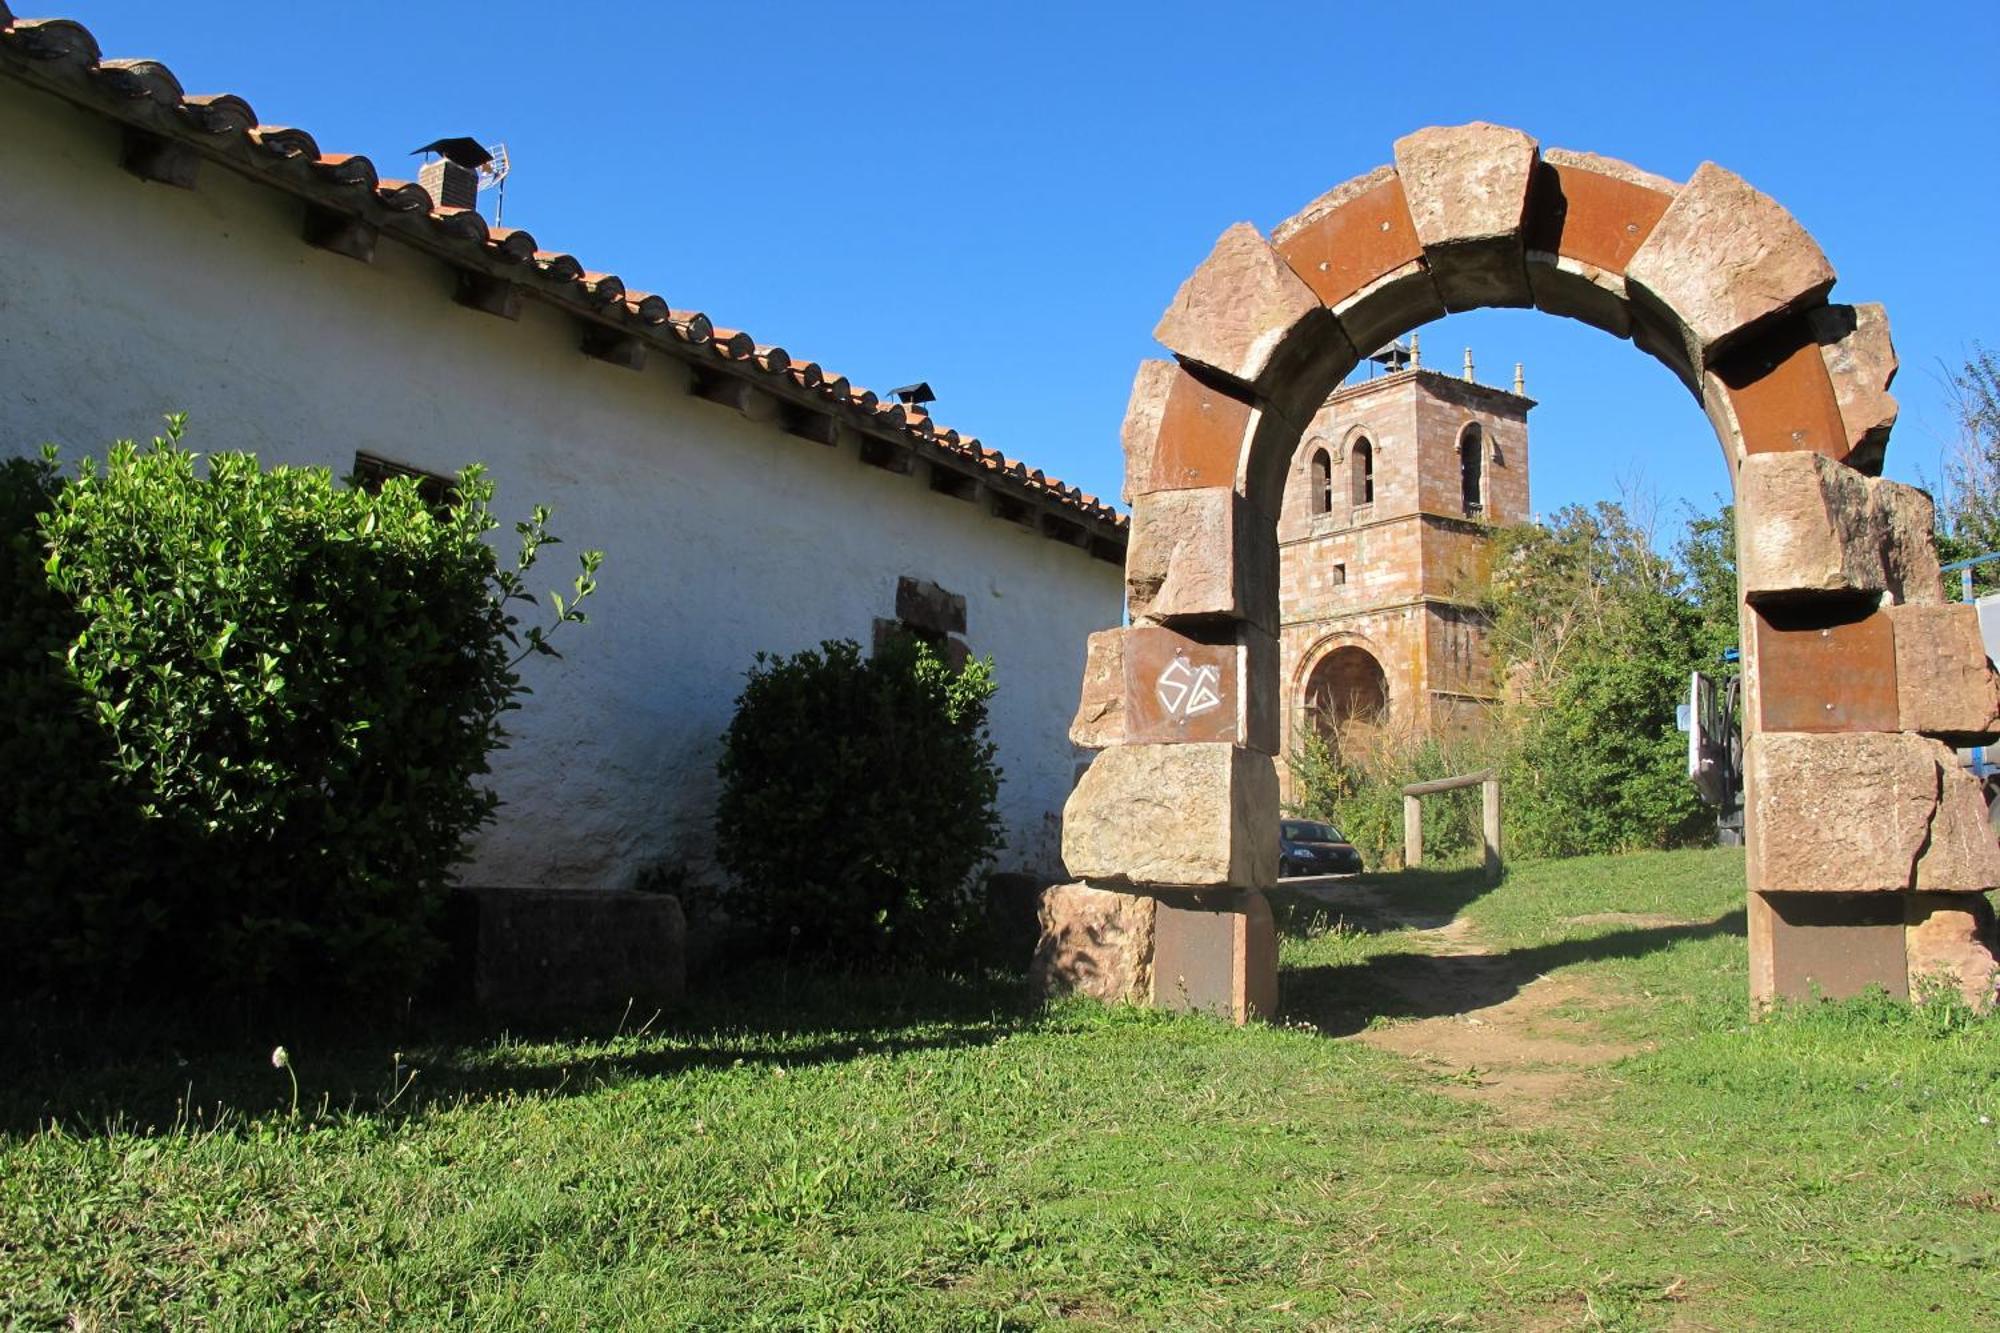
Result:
{"points": [[914, 395], [468, 153]]}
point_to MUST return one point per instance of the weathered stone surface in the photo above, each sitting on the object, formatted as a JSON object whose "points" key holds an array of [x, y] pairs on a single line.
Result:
{"points": [[538, 951], [1652, 335], [1617, 169], [1234, 313], [1391, 306], [1723, 259], [1807, 525], [1950, 940], [1100, 712], [1560, 285], [1180, 433], [1096, 942], [1467, 187], [1846, 812], [1861, 361], [1907, 518], [1963, 855], [1150, 685], [1202, 554], [1945, 686], [1777, 394], [1832, 946], [1194, 816]]}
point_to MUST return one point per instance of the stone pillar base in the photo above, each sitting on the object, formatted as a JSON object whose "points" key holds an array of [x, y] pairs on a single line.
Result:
{"points": [[1208, 950], [1835, 945]]}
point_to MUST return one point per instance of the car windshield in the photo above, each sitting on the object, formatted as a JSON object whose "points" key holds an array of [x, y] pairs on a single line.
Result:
{"points": [[1304, 830]]}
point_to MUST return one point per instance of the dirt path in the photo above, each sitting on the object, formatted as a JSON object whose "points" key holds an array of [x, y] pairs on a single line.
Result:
{"points": [[1522, 1044]]}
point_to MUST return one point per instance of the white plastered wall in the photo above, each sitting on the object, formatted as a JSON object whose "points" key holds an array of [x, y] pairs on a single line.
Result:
{"points": [[122, 300]]}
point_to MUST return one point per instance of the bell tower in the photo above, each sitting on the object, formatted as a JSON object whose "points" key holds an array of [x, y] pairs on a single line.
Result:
{"points": [[1385, 541]]}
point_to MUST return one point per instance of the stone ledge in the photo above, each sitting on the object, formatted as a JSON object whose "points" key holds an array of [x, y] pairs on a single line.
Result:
{"points": [[529, 952]]}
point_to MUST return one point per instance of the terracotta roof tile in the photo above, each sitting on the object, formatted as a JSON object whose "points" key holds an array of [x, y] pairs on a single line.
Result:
{"points": [[62, 56]]}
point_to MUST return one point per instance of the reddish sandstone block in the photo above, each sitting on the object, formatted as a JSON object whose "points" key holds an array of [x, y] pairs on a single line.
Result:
{"points": [[1235, 313], [1806, 946], [1095, 942], [1184, 816], [1723, 260], [1843, 813], [1807, 526], [1861, 362], [1180, 433], [1817, 672], [1595, 210], [1963, 856], [1198, 555], [1779, 396], [1945, 685], [1950, 940], [1351, 237], [1467, 187], [1150, 685], [1216, 953]]}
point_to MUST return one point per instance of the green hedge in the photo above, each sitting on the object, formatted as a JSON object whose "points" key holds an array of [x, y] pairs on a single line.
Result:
{"points": [[242, 715], [857, 800]]}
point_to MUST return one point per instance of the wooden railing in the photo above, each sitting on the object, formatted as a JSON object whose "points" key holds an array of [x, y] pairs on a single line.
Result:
{"points": [[1489, 800]]}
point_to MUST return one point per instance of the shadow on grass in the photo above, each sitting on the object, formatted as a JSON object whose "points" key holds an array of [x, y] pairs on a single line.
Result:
{"points": [[1374, 904], [1340, 1000], [144, 1073]]}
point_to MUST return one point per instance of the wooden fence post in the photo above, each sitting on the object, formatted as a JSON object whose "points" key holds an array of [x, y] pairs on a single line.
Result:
{"points": [[1489, 799], [1413, 831]]}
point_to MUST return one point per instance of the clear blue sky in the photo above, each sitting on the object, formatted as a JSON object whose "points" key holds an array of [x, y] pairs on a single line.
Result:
{"points": [[1001, 199]]}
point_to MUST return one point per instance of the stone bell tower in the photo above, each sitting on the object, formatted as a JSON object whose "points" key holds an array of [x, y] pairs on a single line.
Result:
{"points": [[1385, 541]]}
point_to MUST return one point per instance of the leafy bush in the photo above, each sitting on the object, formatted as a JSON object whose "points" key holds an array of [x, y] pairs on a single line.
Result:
{"points": [[858, 799], [241, 715]]}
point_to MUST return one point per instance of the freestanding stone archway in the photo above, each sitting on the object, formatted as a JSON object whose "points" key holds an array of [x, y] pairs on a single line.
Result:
{"points": [[1869, 851]]}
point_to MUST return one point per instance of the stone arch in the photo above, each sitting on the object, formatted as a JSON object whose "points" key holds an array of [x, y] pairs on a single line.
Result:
{"points": [[1858, 676], [1346, 685]]}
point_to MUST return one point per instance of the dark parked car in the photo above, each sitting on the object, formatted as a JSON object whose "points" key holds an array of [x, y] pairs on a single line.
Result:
{"points": [[1307, 847]]}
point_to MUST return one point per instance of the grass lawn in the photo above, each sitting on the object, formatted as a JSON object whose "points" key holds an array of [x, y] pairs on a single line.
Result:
{"points": [[886, 1153]]}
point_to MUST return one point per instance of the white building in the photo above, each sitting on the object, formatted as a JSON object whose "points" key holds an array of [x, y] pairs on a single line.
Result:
{"points": [[166, 252]]}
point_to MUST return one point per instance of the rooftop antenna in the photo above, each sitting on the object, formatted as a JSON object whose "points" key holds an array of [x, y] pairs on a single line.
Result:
{"points": [[493, 176]]}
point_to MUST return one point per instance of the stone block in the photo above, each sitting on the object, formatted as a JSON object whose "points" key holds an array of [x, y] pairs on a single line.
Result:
{"points": [[1778, 395], [1861, 361], [530, 952], [1807, 526], [1824, 669], [1963, 856], [1351, 237], [927, 606], [1724, 259], [1235, 313], [1574, 289], [1864, 812], [1150, 685], [1216, 953], [1201, 555], [1467, 187], [1945, 685], [1907, 518], [1843, 813], [1191, 816], [1096, 942], [1950, 940], [1180, 433], [1833, 946], [1594, 210]]}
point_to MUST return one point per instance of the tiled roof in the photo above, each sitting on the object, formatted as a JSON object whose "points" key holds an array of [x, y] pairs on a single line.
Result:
{"points": [[169, 132]]}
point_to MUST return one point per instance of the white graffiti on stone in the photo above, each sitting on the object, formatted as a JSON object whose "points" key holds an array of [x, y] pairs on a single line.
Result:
{"points": [[1187, 691]]}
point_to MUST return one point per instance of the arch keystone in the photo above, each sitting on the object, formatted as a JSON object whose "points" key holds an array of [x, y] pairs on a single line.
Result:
{"points": [[1238, 310], [1467, 187], [1725, 259]]}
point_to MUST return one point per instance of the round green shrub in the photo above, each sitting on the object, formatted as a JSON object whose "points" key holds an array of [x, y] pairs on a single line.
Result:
{"points": [[242, 715], [857, 801]]}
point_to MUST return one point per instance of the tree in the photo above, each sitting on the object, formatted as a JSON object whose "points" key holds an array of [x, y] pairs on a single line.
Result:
{"points": [[1596, 633], [1968, 517]]}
